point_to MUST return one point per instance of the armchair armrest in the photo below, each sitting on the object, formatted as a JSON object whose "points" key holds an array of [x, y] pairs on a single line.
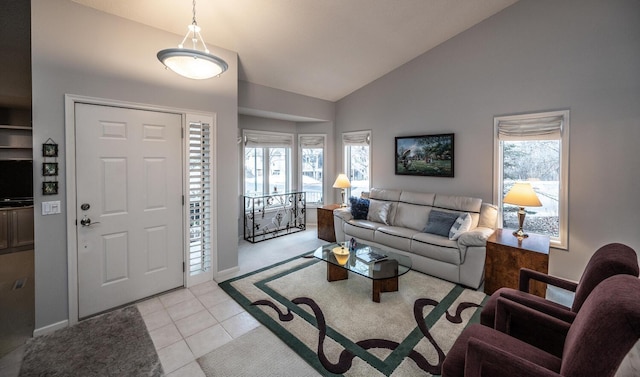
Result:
{"points": [[507, 310], [480, 353], [527, 274], [541, 305], [475, 237]]}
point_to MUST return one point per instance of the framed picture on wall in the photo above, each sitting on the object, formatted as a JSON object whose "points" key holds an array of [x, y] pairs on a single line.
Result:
{"points": [[425, 155], [49, 149], [49, 188], [49, 169]]}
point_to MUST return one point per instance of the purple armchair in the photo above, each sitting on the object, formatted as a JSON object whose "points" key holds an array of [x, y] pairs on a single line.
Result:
{"points": [[603, 332], [611, 259]]}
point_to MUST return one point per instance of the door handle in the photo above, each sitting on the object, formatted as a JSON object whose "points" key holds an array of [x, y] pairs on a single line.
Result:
{"points": [[87, 222]]}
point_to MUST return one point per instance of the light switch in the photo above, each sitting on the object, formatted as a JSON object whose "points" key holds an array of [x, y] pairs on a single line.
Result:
{"points": [[50, 208]]}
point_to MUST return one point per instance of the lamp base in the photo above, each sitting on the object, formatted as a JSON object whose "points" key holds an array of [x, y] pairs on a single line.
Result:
{"points": [[520, 233], [343, 204]]}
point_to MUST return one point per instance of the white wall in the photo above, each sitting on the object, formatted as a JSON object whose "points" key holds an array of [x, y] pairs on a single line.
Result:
{"points": [[78, 50], [536, 55]]}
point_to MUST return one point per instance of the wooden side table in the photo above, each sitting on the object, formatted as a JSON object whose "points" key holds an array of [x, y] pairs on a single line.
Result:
{"points": [[506, 255], [325, 222]]}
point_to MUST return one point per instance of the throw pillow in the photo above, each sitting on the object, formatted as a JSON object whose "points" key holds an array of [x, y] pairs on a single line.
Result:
{"points": [[440, 223], [359, 208], [461, 225], [379, 211]]}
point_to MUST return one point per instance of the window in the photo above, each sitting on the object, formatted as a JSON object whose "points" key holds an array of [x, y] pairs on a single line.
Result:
{"points": [[357, 160], [534, 148], [312, 167], [199, 142], [267, 162]]}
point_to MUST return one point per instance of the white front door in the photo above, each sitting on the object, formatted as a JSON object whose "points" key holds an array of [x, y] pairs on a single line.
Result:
{"points": [[129, 205]]}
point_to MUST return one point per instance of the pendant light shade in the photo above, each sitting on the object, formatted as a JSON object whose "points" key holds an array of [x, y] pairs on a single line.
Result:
{"points": [[192, 63]]}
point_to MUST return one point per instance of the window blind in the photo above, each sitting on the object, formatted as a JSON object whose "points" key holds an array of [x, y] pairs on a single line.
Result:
{"points": [[356, 138], [539, 128], [271, 140], [311, 141]]}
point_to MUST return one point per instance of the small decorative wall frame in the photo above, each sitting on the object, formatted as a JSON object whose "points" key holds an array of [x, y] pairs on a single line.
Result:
{"points": [[49, 149], [49, 188], [50, 169], [425, 155]]}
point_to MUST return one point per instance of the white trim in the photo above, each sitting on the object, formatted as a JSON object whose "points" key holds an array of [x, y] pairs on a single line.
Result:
{"points": [[325, 184], [50, 328], [70, 162], [563, 241], [225, 274]]}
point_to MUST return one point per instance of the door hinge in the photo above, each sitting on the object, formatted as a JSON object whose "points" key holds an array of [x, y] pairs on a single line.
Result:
{"points": [[183, 200], [183, 268], [182, 133]]}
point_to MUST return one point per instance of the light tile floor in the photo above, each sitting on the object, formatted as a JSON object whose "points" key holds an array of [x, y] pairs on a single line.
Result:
{"points": [[190, 322]]}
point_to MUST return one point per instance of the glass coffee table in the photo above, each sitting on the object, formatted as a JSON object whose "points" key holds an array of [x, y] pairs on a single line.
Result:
{"points": [[363, 261]]}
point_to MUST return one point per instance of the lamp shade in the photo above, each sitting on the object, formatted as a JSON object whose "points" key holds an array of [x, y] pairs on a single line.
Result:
{"points": [[342, 182], [522, 194]]}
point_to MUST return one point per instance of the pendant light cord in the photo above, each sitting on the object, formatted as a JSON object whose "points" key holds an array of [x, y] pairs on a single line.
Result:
{"points": [[194, 13]]}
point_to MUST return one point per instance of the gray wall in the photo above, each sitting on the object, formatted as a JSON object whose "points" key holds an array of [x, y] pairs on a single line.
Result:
{"points": [[536, 55], [80, 51]]}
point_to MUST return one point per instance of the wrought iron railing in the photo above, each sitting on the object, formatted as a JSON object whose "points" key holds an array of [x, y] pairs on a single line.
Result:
{"points": [[274, 215]]}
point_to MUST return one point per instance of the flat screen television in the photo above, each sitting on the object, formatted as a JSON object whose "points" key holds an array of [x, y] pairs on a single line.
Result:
{"points": [[16, 179]]}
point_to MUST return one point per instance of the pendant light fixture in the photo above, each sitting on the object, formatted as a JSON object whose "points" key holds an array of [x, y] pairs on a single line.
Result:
{"points": [[193, 63]]}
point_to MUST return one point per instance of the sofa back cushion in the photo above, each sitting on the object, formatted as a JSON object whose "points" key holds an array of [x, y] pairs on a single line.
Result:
{"points": [[386, 195], [413, 210], [460, 204]]}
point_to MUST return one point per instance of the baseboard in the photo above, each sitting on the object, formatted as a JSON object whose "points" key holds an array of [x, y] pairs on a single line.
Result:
{"points": [[51, 328], [225, 274]]}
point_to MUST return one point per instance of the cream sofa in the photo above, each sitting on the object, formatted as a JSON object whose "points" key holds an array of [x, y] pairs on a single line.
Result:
{"points": [[460, 261]]}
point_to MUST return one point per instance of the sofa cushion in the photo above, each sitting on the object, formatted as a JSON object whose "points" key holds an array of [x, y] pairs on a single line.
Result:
{"points": [[461, 225], [440, 222], [436, 247], [411, 216], [361, 229], [359, 208], [379, 211], [460, 204], [395, 237]]}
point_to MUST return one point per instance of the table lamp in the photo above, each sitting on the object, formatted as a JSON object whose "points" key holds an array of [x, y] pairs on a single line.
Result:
{"points": [[522, 195], [342, 182]]}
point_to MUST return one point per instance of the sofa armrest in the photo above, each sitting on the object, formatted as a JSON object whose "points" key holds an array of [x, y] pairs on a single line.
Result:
{"points": [[343, 212], [340, 216], [475, 237]]}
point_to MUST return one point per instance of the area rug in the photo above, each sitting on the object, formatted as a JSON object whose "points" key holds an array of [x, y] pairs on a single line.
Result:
{"points": [[112, 344], [339, 330], [247, 356]]}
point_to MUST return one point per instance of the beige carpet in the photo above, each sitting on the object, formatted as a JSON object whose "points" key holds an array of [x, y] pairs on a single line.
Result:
{"points": [[257, 353], [338, 329]]}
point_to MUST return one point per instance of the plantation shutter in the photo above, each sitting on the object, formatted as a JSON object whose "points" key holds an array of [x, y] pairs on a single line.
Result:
{"points": [[538, 128], [199, 197]]}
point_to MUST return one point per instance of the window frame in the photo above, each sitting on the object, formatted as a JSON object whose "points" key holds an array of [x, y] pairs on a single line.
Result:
{"points": [[560, 242], [301, 165], [355, 138], [268, 140]]}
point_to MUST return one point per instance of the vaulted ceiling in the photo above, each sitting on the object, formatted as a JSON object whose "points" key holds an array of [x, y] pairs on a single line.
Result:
{"points": [[319, 48]]}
